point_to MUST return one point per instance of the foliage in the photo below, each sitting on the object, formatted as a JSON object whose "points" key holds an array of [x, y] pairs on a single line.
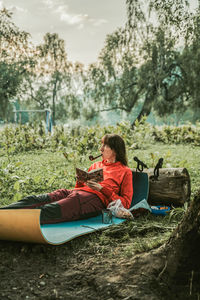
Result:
{"points": [[10, 80], [189, 60], [8, 179], [40, 76], [13, 60], [13, 41], [178, 134], [48, 78], [151, 63], [143, 63], [83, 139]]}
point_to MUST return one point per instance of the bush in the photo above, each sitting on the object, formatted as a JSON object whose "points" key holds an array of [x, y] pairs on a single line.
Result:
{"points": [[178, 134], [22, 138]]}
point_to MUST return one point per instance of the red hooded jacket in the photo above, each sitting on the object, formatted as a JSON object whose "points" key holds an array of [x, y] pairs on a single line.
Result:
{"points": [[117, 183]]}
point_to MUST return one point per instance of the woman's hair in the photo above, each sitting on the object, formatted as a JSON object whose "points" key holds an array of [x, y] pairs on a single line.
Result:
{"points": [[116, 143]]}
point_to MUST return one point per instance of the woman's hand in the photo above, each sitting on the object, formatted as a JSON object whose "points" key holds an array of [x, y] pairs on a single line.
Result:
{"points": [[78, 180], [94, 185]]}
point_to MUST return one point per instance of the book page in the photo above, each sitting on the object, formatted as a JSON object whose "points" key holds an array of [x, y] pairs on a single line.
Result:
{"points": [[96, 175]]}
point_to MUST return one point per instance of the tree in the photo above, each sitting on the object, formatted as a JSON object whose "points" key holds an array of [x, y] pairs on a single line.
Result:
{"points": [[73, 97], [13, 60], [162, 78], [190, 63], [142, 61], [54, 82], [53, 65], [111, 84]]}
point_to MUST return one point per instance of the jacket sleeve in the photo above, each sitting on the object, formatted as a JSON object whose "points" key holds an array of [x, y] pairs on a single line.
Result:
{"points": [[126, 191]]}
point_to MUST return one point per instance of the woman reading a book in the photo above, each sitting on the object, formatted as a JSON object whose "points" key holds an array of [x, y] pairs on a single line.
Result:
{"points": [[88, 198]]}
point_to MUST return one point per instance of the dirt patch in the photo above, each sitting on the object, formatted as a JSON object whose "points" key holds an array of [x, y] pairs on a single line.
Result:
{"points": [[81, 270]]}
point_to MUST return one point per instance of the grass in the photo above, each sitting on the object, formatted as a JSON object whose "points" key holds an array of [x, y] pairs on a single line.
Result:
{"points": [[44, 171]]}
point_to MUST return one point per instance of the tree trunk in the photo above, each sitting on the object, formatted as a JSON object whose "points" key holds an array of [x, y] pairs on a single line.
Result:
{"points": [[173, 270], [182, 252], [54, 101], [196, 114], [172, 187], [147, 106]]}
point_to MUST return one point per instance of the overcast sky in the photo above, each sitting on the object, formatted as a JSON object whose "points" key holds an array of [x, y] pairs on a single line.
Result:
{"points": [[83, 24]]}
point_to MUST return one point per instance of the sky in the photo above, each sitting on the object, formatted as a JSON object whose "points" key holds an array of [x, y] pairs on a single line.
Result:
{"points": [[83, 24]]}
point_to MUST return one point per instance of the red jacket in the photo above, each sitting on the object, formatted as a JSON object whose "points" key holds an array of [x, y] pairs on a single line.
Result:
{"points": [[117, 183]]}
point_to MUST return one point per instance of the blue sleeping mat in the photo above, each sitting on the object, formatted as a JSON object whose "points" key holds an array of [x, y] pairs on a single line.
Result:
{"points": [[63, 232]]}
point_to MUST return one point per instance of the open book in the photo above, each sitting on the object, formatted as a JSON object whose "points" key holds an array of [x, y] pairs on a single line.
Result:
{"points": [[96, 175]]}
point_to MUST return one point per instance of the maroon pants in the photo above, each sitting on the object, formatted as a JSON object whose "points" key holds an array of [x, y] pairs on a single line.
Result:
{"points": [[62, 205], [76, 204]]}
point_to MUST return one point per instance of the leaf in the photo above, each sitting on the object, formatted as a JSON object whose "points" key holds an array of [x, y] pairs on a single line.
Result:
{"points": [[17, 197], [19, 163], [37, 179], [51, 180], [168, 154], [152, 156], [16, 186]]}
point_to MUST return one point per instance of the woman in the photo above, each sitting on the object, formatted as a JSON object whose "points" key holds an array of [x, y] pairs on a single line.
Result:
{"points": [[89, 198]]}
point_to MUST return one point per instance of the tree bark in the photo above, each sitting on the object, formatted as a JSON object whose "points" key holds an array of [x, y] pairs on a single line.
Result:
{"points": [[173, 270], [172, 187], [182, 263], [147, 106]]}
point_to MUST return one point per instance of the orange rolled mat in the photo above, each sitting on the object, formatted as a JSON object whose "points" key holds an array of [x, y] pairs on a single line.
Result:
{"points": [[21, 225]]}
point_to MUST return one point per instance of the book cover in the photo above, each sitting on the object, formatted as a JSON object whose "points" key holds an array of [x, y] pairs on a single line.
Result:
{"points": [[96, 175]]}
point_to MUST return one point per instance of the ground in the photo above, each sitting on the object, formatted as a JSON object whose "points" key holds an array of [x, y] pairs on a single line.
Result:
{"points": [[84, 269], [47, 272]]}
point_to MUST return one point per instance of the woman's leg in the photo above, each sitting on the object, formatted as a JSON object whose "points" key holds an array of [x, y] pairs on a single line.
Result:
{"points": [[77, 205], [35, 201], [62, 205], [59, 194], [32, 201]]}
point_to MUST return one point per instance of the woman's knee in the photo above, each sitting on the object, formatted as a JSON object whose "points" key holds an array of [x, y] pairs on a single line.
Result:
{"points": [[51, 213], [43, 198], [59, 194]]}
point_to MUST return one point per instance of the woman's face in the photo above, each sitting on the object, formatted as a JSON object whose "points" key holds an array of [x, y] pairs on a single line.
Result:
{"points": [[107, 153]]}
